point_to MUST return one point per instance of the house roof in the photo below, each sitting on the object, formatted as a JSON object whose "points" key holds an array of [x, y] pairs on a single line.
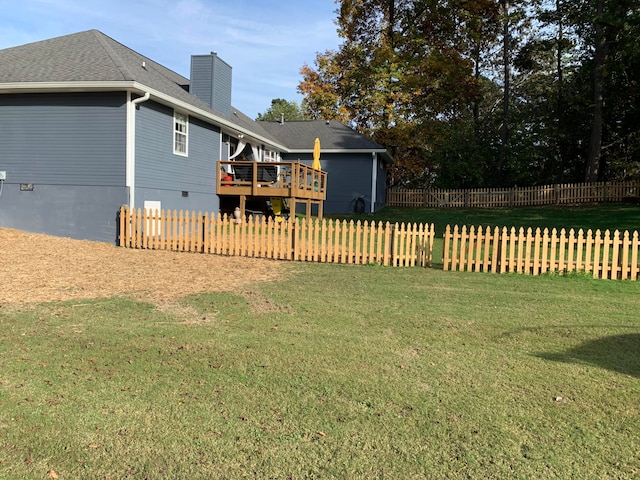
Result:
{"points": [[91, 60], [89, 56], [334, 136]]}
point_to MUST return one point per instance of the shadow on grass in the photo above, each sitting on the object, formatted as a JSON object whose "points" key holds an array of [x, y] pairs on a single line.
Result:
{"points": [[618, 353]]}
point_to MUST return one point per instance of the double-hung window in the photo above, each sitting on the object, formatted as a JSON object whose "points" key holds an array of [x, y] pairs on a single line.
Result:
{"points": [[180, 134], [271, 156]]}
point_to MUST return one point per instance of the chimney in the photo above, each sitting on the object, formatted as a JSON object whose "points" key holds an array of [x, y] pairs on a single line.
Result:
{"points": [[211, 81]]}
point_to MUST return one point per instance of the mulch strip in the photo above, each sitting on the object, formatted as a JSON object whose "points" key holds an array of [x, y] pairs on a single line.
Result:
{"points": [[40, 268]]}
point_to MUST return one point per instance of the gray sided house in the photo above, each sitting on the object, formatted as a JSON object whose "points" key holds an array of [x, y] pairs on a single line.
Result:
{"points": [[88, 125]]}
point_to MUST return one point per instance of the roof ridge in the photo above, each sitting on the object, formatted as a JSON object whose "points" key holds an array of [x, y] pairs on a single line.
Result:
{"points": [[119, 63]]}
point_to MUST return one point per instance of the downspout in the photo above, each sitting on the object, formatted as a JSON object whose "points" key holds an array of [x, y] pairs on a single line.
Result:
{"points": [[374, 182], [131, 145]]}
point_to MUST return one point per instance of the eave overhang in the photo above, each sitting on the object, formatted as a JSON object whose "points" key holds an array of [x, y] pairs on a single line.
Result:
{"points": [[380, 151], [137, 88]]}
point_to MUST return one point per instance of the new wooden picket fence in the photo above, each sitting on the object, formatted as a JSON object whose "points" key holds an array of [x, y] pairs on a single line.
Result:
{"points": [[559, 194], [603, 255], [324, 241]]}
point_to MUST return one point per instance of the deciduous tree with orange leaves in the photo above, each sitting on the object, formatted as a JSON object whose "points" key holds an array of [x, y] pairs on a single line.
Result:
{"points": [[404, 72]]}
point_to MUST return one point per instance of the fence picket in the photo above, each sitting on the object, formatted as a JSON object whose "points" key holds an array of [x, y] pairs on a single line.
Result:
{"points": [[446, 247], [511, 261], [606, 255], [615, 259], [456, 253], [597, 264], [635, 266], [624, 265], [484, 248], [504, 241], [526, 261], [561, 251], [520, 251]]}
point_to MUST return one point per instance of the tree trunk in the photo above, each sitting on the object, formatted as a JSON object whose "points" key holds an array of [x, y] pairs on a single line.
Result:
{"points": [[560, 108], [600, 56], [506, 54]]}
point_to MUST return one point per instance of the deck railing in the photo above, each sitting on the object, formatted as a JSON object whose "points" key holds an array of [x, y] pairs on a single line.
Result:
{"points": [[272, 179]]}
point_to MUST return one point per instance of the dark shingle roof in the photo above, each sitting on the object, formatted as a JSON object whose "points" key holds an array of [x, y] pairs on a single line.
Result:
{"points": [[246, 122], [92, 56], [80, 57], [333, 135]]}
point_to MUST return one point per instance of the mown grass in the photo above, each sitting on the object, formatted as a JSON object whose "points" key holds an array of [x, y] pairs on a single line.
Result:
{"points": [[337, 372]]}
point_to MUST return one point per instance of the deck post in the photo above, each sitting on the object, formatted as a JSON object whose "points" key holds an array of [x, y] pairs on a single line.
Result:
{"points": [[308, 202], [254, 178], [292, 207], [243, 206]]}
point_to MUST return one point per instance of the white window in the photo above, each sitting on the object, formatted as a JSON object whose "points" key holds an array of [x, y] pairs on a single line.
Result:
{"points": [[270, 156], [180, 134]]}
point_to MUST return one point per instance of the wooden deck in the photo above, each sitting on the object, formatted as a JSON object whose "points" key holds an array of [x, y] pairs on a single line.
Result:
{"points": [[292, 180]]}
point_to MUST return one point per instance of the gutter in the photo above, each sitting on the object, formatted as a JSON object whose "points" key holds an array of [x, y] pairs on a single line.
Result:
{"points": [[131, 145], [141, 99]]}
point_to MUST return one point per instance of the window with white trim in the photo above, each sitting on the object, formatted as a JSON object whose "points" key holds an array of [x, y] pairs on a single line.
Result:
{"points": [[180, 134], [271, 156]]}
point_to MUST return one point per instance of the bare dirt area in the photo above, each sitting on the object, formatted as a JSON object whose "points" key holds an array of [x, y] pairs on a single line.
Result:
{"points": [[40, 268]]}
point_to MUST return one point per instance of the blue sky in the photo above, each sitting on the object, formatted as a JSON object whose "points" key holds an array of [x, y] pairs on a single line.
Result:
{"points": [[265, 41]]}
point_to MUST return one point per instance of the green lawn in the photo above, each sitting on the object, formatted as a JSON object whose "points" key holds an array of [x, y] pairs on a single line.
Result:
{"points": [[337, 372]]}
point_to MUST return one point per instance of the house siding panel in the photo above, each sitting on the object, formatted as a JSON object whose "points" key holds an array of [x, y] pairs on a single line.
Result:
{"points": [[62, 139], [202, 78], [81, 212], [211, 82], [348, 177], [71, 149], [162, 175], [222, 87], [381, 187]]}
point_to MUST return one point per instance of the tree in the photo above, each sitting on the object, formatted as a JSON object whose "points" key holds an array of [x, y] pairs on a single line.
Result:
{"points": [[281, 109], [403, 71], [487, 92], [610, 31]]}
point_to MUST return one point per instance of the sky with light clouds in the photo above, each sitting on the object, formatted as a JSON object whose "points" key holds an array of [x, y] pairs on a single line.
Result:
{"points": [[265, 41]]}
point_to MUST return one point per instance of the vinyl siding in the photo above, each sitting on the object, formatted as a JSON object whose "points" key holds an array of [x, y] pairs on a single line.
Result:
{"points": [[211, 82], [381, 187], [201, 85], [81, 212], [222, 87], [159, 170], [348, 177], [63, 139], [173, 200]]}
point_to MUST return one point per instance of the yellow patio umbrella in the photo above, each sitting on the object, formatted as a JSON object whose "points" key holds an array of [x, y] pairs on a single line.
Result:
{"points": [[316, 155]]}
